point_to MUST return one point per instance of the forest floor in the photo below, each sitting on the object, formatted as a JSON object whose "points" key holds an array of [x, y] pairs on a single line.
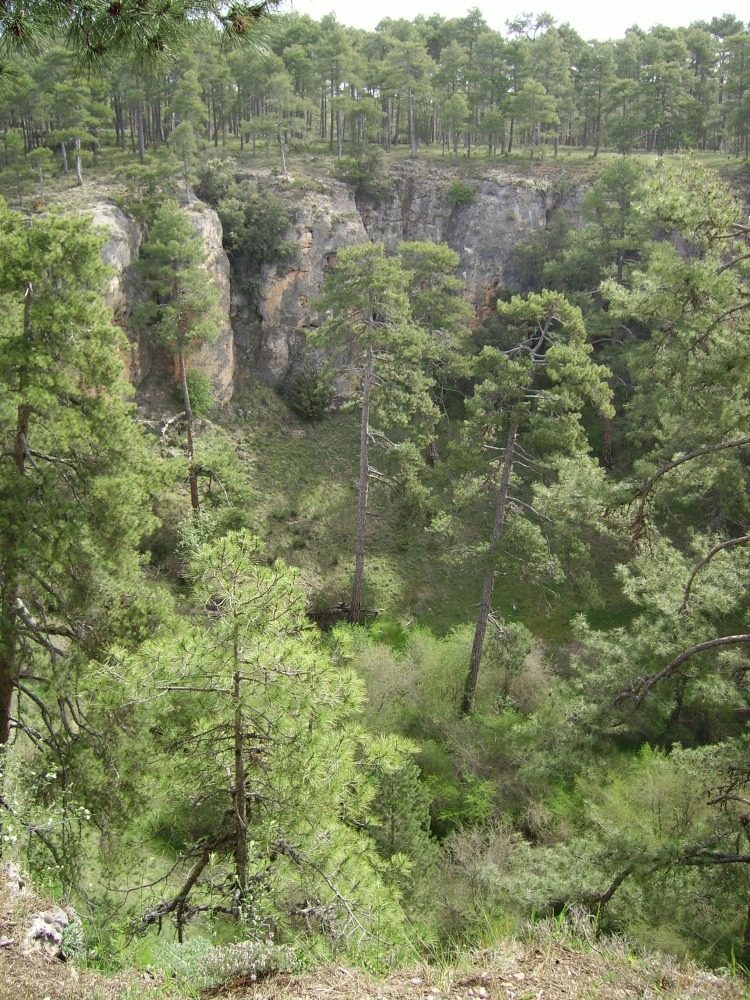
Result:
{"points": [[302, 477], [554, 961], [513, 973], [517, 972]]}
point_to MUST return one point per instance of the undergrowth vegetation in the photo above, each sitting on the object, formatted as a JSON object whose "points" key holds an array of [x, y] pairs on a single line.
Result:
{"points": [[202, 741]]}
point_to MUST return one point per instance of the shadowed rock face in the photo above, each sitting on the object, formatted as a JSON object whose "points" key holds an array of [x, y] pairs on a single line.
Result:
{"points": [[121, 252], [266, 336], [503, 210]]}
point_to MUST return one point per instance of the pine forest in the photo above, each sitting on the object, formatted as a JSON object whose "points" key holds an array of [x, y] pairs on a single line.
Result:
{"points": [[374, 506]]}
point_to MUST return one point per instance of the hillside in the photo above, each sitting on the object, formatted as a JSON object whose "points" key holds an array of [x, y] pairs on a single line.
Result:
{"points": [[201, 743], [554, 961]]}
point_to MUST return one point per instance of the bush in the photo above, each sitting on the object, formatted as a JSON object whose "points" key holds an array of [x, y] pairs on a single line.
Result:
{"points": [[266, 222], [459, 194], [201, 392], [311, 394], [216, 180], [203, 965], [367, 173]]}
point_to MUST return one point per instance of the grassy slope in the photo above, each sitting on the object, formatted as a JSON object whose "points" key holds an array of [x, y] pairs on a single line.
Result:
{"points": [[303, 478]]}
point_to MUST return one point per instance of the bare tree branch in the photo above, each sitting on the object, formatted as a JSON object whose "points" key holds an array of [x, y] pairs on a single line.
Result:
{"points": [[643, 685], [742, 540]]}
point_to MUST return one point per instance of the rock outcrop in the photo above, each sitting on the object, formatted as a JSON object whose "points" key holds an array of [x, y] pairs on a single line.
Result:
{"points": [[215, 359], [264, 322], [499, 210], [271, 334], [45, 933], [124, 239]]}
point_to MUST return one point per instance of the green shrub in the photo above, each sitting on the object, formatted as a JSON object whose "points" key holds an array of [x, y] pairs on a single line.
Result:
{"points": [[203, 965], [267, 221], [311, 394], [367, 173], [459, 194], [216, 180], [255, 226], [201, 392]]}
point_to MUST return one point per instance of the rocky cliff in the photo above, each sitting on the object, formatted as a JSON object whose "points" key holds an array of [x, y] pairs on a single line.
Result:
{"points": [[482, 221], [145, 361], [498, 210], [270, 332], [265, 334]]}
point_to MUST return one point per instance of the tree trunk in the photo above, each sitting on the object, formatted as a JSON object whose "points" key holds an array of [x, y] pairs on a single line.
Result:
{"points": [[485, 605], [64, 152], [192, 471], [186, 175], [240, 797], [282, 154], [10, 576], [412, 125], [79, 173], [140, 132], [607, 442], [363, 485]]}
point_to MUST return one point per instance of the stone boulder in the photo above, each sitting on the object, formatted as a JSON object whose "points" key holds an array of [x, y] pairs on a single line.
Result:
{"points": [[45, 933]]}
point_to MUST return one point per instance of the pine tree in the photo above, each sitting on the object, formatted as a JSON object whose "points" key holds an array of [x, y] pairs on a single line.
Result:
{"points": [[182, 306], [367, 294], [533, 389], [438, 306], [73, 503], [271, 781]]}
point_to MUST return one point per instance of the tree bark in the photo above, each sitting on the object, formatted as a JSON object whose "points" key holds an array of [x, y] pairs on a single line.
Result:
{"points": [[192, 471], [10, 577], [240, 799], [282, 154], [79, 172], [485, 604], [412, 125], [139, 131], [363, 486]]}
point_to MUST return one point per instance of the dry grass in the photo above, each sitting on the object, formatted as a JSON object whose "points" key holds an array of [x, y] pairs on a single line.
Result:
{"points": [[513, 973], [550, 966], [36, 977]]}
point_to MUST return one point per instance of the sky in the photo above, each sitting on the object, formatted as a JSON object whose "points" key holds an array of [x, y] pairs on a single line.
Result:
{"points": [[591, 18]]}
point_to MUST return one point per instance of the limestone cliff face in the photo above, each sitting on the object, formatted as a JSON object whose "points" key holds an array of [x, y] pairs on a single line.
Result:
{"points": [[271, 335], [124, 238], [503, 209], [217, 358], [264, 334]]}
